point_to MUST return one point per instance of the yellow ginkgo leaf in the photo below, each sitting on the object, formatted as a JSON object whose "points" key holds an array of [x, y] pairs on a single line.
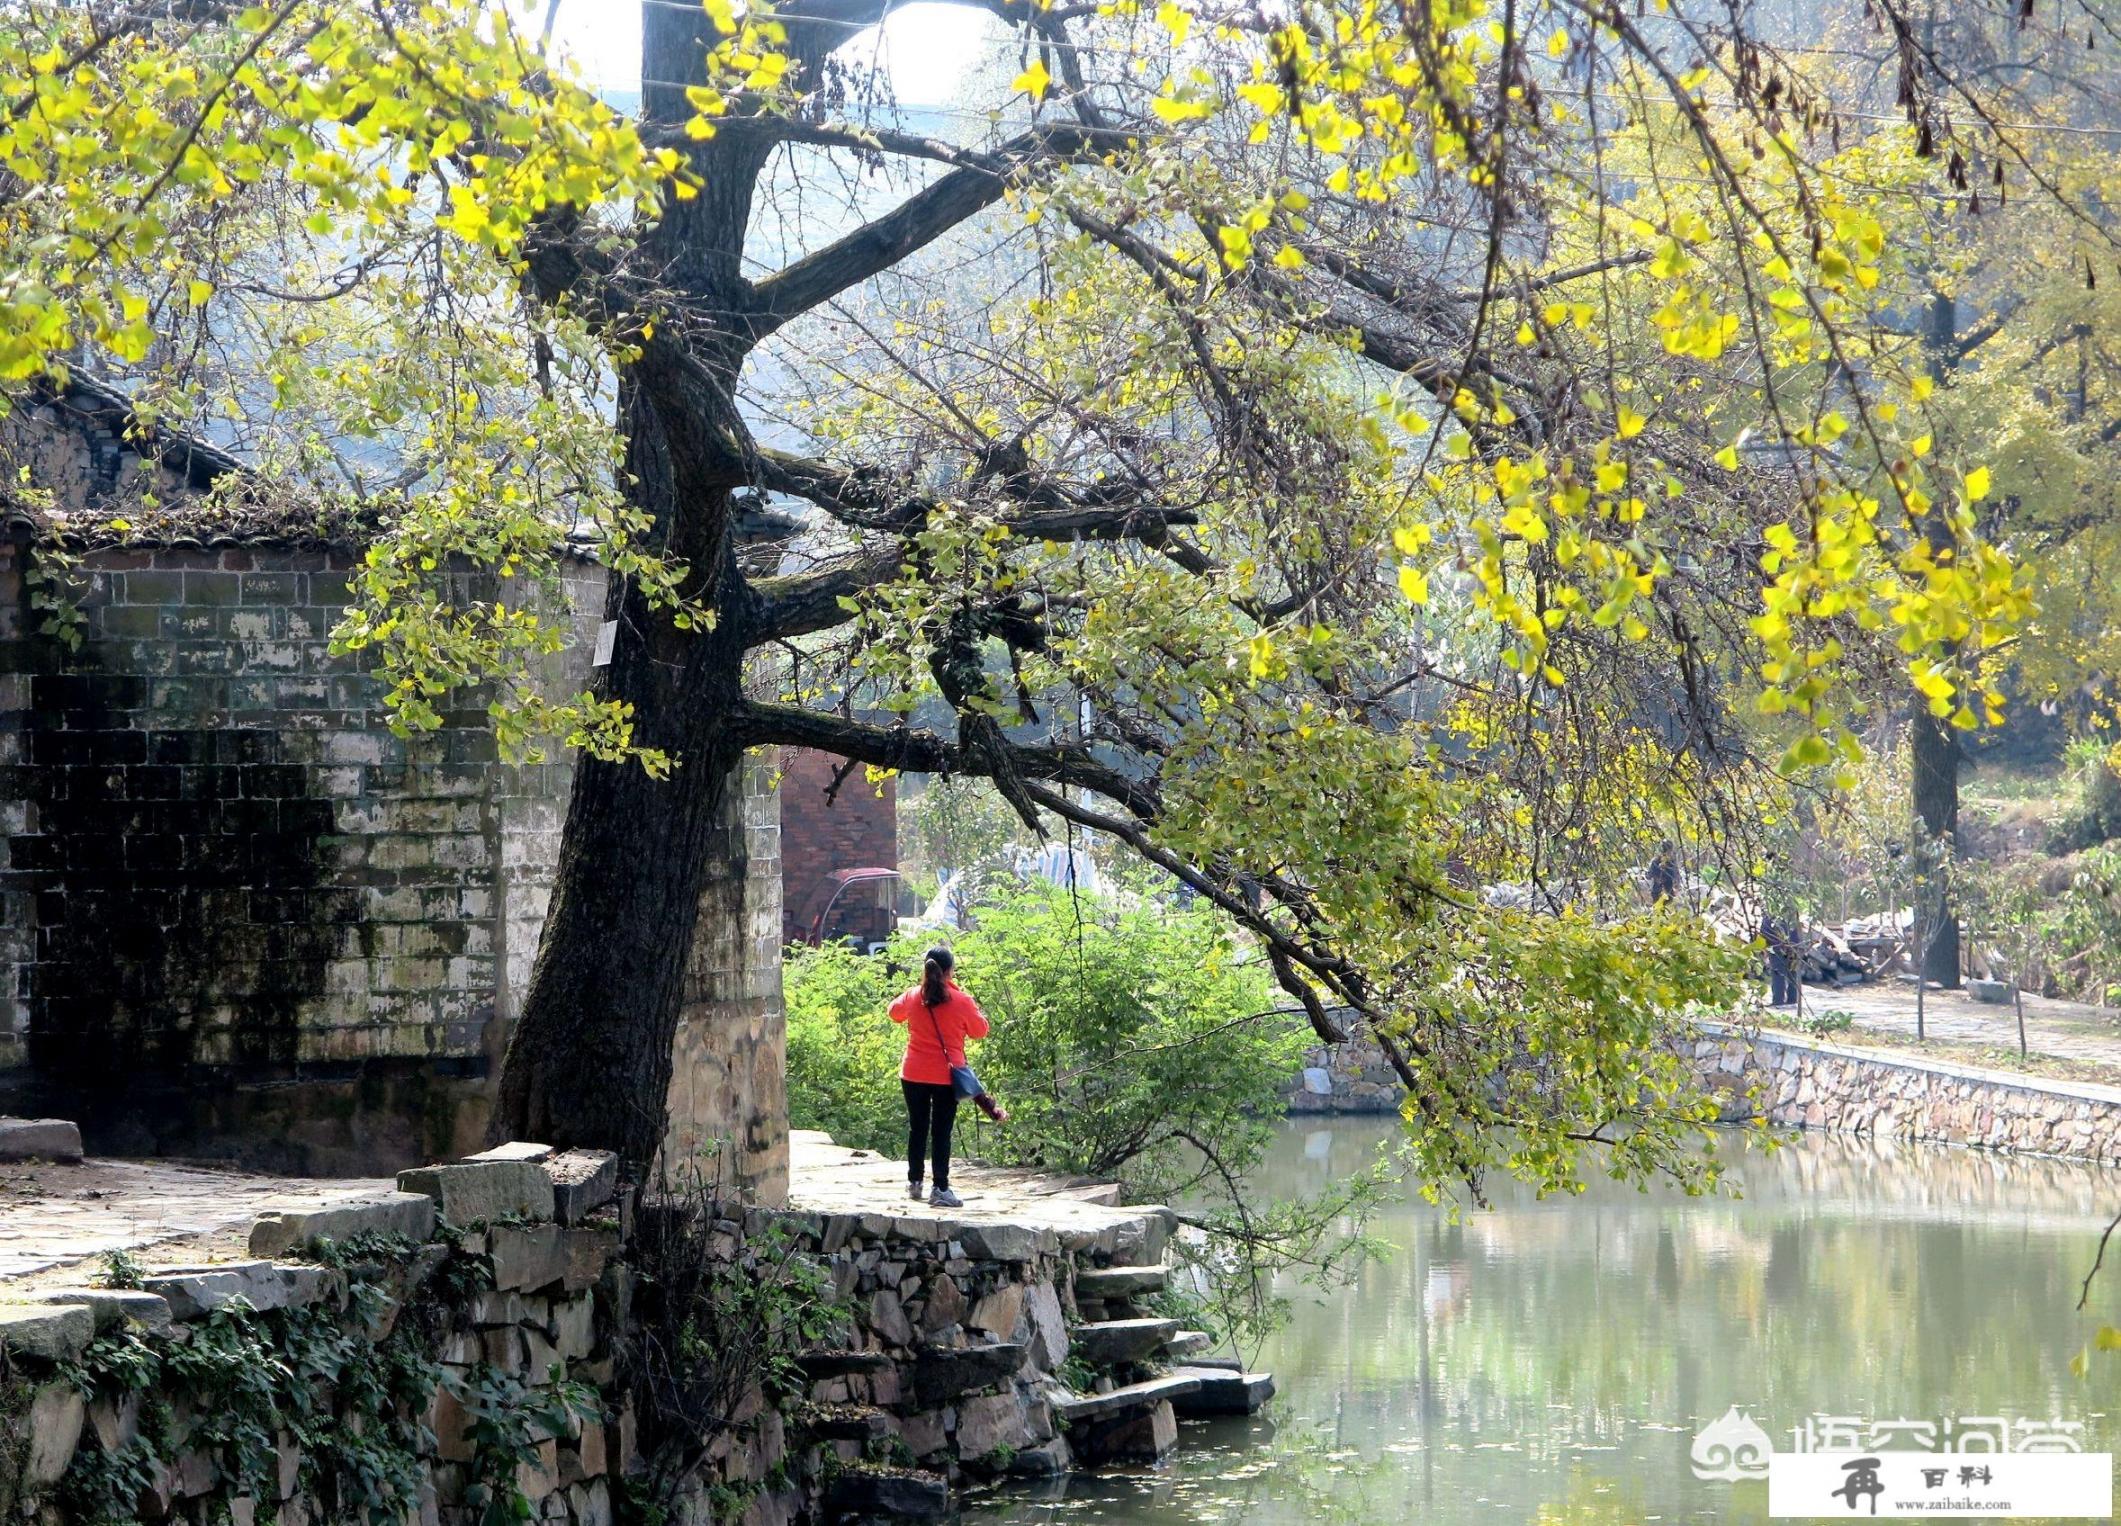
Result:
{"points": [[1033, 81]]}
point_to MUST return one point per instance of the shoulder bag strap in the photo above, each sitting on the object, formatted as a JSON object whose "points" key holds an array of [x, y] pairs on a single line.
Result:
{"points": [[940, 1042]]}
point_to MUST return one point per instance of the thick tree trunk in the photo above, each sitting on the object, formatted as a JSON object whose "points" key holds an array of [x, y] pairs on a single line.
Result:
{"points": [[589, 1062], [1934, 749], [1933, 745]]}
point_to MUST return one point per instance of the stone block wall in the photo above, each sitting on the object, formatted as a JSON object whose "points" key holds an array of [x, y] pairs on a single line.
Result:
{"points": [[1353, 1077], [959, 1337], [728, 1084], [1809, 1083], [857, 828], [479, 1340], [221, 867], [240, 918], [375, 1360]]}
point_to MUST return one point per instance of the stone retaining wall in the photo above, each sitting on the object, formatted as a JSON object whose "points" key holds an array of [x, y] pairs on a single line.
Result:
{"points": [[481, 1338], [1347, 1078], [1814, 1084], [956, 1328], [424, 1364]]}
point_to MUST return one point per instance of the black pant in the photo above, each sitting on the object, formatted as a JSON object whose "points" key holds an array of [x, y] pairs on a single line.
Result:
{"points": [[1782, 981], [930, 1112]]}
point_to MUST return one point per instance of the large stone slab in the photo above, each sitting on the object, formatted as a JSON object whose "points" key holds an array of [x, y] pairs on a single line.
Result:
{"points": [[1189, 1344], [989, 1424], [1141, 1240], [582, 1182], [1074, 1409], [1121, 1281], [481, 1191], [1049, 1459], [1224, 1393], [39, 1139], [1110, 1342], [49, 1332], [1001, 1312], [285, 1230], [1049, 1328], [1141, 1436], [943, 1374], [1005, 1242], [864, 1494], [527, 1257], [839, 1364], [515, 1150], [196, 1290], [111, 1307], [55, 1418]]}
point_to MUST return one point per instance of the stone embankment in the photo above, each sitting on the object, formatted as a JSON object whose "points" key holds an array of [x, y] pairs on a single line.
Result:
{"points": [[1811, 1083], [1353, 1077], [1015, 1336], [1803, 1082], [481, 1343]]}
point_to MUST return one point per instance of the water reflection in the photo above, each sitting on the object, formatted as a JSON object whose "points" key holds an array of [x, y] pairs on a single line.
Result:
{"points": [[1551, 1362]]}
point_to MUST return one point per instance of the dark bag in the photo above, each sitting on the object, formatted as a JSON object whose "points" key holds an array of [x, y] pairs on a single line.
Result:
{"points": [[962, 1080]]}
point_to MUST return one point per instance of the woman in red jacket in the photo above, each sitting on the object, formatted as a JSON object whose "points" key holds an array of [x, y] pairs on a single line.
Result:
{"points": [[939, 1018]]}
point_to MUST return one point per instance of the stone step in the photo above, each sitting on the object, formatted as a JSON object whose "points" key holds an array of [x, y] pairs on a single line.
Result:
{"points": [[1073, 1408], [823, 1363], [869, 1493], [942, 1374], [1108, 1342], [849, 1422], [1221, 1392], [1121, 1281], [1189, 1345]]}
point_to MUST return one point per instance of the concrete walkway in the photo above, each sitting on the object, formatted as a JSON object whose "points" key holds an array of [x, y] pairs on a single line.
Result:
{"points": [[2064, 1030], [57, 1216]]}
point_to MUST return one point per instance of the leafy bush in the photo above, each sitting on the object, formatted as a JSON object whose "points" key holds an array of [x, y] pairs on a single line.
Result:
{"points": [[2095, 815]]}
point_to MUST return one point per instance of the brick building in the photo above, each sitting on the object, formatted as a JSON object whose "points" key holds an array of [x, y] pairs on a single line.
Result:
{"points": [[240, 918], [825, 831]]}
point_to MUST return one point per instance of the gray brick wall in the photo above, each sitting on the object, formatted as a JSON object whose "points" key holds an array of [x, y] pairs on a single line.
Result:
{"points": [[240, 916]]}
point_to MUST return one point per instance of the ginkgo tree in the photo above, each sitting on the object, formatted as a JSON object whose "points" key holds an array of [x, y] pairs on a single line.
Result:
{"points": [[1351, 453]]}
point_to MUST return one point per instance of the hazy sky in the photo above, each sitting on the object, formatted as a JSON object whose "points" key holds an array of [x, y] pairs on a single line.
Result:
{"points": [[927, 48]]}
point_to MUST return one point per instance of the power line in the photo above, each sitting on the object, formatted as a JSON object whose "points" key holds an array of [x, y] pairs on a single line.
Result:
{"points": [[993, 117]]}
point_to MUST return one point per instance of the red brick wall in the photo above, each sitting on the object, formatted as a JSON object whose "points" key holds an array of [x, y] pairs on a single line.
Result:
{"points": [[858, 829]]}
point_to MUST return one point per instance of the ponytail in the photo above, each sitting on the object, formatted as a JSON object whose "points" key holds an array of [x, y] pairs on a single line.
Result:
{"points": [[935, 975]]}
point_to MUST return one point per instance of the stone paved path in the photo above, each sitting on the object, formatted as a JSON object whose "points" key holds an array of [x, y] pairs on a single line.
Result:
{"points": [[2064, 1029], [827, 1178], [54, 1216]]}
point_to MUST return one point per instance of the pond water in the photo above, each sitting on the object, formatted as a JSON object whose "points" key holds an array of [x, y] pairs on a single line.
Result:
{"points": [[1552, 1362]]}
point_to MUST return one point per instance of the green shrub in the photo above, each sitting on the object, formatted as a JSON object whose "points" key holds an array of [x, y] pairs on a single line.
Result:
{"points": [[2095, 814]]}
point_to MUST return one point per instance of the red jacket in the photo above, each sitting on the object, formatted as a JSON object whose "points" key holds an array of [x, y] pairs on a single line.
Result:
{"points": [[956, 1020]]}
